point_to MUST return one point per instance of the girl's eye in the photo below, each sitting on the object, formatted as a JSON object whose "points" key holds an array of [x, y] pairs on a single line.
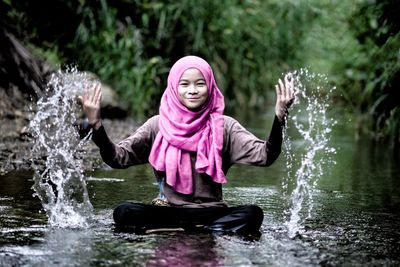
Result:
{"points": [[183, 84], [201, 84]]}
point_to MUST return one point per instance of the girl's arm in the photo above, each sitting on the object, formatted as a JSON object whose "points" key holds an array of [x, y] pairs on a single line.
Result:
{"points": [[243, 147], [131, 151]]}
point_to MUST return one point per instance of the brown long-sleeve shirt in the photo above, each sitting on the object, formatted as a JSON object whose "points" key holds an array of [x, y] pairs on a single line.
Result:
{"points": [[240, 146]]}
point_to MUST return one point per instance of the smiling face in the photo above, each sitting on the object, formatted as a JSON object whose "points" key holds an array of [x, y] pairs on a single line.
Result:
{"points": [[192, 89]]}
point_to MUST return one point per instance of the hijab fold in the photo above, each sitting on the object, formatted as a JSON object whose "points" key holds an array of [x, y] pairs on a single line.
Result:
{"points": [[184, 131]]}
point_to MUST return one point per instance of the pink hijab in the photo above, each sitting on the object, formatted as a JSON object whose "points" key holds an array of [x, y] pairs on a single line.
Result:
{"points": [[183, 131]]}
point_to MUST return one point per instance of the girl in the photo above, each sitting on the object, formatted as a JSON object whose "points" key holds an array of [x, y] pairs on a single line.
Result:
{"points": [[190, 145]]}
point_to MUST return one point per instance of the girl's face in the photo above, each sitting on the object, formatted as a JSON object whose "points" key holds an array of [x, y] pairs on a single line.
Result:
{"points": [[192, 89]]}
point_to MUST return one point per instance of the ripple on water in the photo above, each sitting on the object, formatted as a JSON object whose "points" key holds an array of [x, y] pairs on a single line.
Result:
{"points": [[104, 179]]}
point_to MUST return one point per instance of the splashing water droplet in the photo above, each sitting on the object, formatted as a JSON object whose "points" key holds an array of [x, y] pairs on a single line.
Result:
{"points": [[314, 128], [58, 152]]}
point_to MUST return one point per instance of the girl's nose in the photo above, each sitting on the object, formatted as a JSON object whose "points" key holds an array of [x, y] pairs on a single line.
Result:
{"points": [[192, 89]]}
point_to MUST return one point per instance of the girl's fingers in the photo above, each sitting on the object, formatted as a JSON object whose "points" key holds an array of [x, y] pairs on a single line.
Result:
{"points": [[292, 88], [98, 94], [282, 87], [286, 86], [92, 94], [95, 92], [287, 79], [278, 91], [286, 89]]}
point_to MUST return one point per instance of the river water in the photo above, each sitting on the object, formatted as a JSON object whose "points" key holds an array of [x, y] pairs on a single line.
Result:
{"points": [[354, 221]]}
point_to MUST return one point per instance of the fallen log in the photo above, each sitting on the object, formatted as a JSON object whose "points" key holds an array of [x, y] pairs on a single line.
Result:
{"points": [[18, 66]]}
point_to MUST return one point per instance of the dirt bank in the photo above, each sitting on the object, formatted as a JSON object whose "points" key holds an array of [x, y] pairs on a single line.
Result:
{"points": [[16, 143]]}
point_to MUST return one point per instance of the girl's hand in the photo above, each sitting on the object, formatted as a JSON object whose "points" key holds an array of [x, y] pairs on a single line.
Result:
{"points": [[286, 94], [91, 105]]}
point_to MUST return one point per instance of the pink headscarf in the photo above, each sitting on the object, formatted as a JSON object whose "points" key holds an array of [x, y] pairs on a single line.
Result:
{"points": [[183, 131]]}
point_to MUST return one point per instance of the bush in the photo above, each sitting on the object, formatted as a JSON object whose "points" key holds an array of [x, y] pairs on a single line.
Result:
{"points": [[114, 50], [131, 44], [376, 28]]}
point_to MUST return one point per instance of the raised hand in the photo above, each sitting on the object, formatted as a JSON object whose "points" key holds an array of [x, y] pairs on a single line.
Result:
{"points": [[91, 101], [285, 95]]}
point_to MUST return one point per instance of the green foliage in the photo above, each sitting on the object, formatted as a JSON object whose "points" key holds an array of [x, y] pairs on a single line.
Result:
{"points": [[248, 43], [114, 51], [131, 44], [377, 68], [329, 47], [52, 55], [356, 43]]}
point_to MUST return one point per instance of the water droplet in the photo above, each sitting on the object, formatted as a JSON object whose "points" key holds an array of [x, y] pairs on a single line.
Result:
{"points": [[58, 152], [311, 122]]}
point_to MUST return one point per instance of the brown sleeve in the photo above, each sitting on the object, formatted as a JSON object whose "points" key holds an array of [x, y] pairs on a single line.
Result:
{"points": [[133, 150], [243, 147]]}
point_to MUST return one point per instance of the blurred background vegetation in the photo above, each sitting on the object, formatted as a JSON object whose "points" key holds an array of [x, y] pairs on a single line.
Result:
{"points": [[131, 44]]}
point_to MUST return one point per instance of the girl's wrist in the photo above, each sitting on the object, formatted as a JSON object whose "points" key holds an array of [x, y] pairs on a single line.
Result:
{"points": [[96, 124], [281, 114]]}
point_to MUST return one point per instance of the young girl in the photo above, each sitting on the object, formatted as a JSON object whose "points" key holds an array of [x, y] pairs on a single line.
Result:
{"points": [[190, 145]]}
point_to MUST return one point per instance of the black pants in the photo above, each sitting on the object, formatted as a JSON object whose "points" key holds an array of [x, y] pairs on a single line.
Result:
{"points": [[141, 217]]}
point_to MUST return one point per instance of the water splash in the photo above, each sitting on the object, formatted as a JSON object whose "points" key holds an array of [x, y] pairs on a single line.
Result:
{"points": [[58, 152], [314, 127]]}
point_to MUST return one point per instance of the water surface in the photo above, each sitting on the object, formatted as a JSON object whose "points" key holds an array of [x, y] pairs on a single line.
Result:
{"points": [[355, 220]]}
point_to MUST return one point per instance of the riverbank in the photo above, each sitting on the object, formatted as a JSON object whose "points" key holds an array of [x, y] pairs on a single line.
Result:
{"points": [[16, 143]]}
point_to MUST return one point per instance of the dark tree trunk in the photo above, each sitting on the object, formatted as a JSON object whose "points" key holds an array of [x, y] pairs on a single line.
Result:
{"points": [[19, 67]]}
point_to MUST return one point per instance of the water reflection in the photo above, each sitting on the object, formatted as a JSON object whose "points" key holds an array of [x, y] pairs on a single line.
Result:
{"points": [[57, 247], [375, 174], [355, 220], [185, 250]]}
